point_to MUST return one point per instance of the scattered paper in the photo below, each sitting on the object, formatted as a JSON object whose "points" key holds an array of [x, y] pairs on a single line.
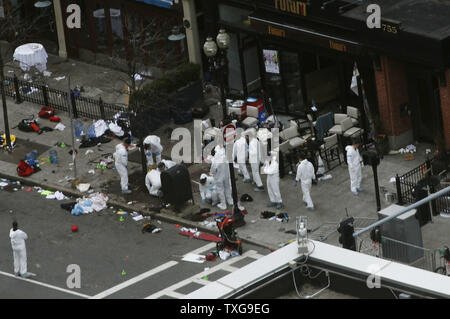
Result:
{"points": [[3, 184], [194, 258], [60, 78], [138, 218], [83, 187], [60, 127]]}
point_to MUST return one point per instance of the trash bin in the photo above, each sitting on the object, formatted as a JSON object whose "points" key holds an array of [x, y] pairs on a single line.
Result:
{"points": [[420, 192]]}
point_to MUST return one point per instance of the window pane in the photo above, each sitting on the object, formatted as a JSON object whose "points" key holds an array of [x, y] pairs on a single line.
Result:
{"points": [[291, 72]]}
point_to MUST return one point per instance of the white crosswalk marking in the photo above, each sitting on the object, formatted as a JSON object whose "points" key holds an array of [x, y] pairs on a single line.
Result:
{"points": [[134, 280], [197, 278]]}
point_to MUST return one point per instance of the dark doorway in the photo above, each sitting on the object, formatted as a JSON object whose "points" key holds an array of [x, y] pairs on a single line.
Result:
{"points": [[426, 114]]}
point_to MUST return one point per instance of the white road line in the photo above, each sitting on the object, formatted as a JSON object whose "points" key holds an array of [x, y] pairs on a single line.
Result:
{"points": [[230, 268], [174, 294], [201, 281], [46, 285], [185, 282], [202, 249], [134, 280]]}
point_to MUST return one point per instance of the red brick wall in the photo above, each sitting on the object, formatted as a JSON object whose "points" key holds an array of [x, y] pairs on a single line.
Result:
{"points": [[445, 104], [392, 93]]}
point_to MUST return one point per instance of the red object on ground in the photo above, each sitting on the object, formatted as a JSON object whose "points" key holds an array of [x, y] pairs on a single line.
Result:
{"points": [[46, 112], [177, 226], [35, 127], [74, 229], [210, 257], [55, 119], [202, 236]]}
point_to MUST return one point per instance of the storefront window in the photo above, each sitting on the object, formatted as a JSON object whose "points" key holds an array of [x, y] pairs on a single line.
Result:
{"points": [[275, 91], [235, 16], [100, 28], [234, 66], [291, 73]]}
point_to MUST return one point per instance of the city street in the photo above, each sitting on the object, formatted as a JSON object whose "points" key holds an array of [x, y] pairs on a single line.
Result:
{"points": [[116, 259]]}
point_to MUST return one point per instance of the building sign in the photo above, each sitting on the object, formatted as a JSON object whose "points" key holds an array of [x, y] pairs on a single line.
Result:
{"points": [[337, 46], [271, 61], [291, 6], [390, 27], [276, 32]]}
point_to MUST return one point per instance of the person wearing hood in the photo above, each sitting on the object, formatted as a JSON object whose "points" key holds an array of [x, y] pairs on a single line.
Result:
{"points": [[152, 145], [221, 173], [208, 190], [354, 167], [305, 174], [18, 238], [240, 151], [121, 163], [271, 168], [254, 157], [153, 180]]}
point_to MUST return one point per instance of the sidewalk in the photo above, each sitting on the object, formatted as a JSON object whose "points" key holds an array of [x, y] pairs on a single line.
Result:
{"points": [[97, 81], [332, 198]]}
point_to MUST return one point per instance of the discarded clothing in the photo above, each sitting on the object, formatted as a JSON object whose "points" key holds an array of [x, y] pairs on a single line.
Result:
{"points": [[95, 141], [95, 202], [68, 206], [267, 214], [323, 124], [57, 195]]}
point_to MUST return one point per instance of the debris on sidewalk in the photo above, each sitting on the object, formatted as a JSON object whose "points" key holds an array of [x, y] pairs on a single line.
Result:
{"points": [[194, 233], [194, 258], [60, 127], [326, 177], [95, 202], [57, 195], [150, 228], [83, 187]]}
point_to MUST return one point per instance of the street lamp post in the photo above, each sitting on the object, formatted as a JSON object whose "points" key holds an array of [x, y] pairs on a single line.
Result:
{"points": [[219, 63]]}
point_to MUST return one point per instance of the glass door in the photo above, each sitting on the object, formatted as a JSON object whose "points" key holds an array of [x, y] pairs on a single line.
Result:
{"points": [[292, 79], [274, 82]]}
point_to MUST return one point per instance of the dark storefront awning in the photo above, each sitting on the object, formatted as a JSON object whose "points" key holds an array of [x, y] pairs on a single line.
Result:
{"points": [[271, 25], [159, 3]]}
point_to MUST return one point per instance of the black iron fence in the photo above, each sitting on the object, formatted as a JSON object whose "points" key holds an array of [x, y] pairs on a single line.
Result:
{"points": [[43, 95], [407, 183]]}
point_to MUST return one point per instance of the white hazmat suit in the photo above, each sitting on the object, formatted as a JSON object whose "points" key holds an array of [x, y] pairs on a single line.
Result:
{"points": [[305, 174], [208, 190], [273, 180], [121, 163], [240, 154], [156, 148], [254, 157], [354, 168], [18, 238], [221, 173], [153, 182]]}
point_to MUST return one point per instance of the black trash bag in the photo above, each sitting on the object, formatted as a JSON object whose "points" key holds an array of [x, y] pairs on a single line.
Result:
{"points": [[267, 214], [246, 198], [68, 206], [148, 228]]}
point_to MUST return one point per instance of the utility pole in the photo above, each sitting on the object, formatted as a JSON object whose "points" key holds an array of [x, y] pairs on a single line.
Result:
{"points": [[74, 154], [5, 106]]}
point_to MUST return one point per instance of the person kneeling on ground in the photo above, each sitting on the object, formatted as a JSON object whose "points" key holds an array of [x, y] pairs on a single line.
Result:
{"points": [[153, 180], [208, 190]]}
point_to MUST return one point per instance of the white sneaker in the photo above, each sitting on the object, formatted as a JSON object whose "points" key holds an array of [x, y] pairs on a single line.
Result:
{"points": [[222, 207]]}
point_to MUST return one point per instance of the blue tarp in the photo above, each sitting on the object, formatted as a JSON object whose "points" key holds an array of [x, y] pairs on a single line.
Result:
{"points": [[160, 3]]}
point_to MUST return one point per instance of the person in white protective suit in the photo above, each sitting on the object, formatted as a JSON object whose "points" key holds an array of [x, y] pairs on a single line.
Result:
{"points": [[354, 167], [254, 157], [152, 145], [271, 168], [18, 238], [305, 174], [121, 163], [153, 180], [221, 173], [207, 189], [240, 152]]}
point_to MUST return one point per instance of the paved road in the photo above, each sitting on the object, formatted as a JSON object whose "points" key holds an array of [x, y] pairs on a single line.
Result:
{"points": [[104, 247]]}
